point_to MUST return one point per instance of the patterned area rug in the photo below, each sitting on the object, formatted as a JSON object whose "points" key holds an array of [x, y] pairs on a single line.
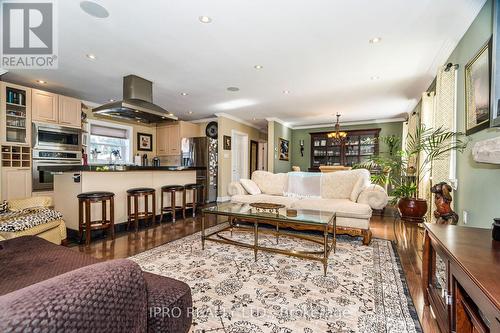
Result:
{"points": [[364, 290]]}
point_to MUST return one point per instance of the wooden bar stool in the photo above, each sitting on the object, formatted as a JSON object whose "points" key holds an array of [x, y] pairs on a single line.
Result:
{"points": [[85, 222], [173, 208], [136, 215], [195, 188]]}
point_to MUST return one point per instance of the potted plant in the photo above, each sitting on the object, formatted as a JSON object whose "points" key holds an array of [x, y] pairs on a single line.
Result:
{"points": [[405, 168]]}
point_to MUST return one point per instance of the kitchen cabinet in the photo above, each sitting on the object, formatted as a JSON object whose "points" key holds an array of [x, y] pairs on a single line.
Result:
{"points": [[168, 140], [16, 183], [56, 109], [45, 107], [70, 110], [169, 137], [174, 140], [15, 114], [162, 141]]}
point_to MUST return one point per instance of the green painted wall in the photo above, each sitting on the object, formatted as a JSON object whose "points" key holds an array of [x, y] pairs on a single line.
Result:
{"points": [[281, 131], [478, 184], [387, 129]]}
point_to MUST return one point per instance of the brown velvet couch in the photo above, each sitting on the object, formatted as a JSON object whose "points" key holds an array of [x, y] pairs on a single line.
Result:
{"points": [[50, 288]]}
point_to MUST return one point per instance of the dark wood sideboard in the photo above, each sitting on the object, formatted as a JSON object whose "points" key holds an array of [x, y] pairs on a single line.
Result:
{"points": [[461, 278]]}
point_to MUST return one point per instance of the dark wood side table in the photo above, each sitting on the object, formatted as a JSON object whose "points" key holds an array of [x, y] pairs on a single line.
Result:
{"points": [[460, 276]]}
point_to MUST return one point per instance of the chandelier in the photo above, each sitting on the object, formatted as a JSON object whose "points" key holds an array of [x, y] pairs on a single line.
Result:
{"points": [[338, 136]]}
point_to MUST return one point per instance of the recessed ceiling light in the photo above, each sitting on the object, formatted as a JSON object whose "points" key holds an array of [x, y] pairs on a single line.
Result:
{"points": [[91, 56], [190, 112], [41, 81], [163, 117], [376, 77], [375, 40], [233, 89], [258, 66], [111, 100], [286, 91], [136, 111], [184, 93], [205, 19], [94, 9]]}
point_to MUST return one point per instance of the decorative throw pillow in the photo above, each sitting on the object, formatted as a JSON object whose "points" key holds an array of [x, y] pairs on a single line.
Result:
{"points": [[4, 207], [250, 186]]}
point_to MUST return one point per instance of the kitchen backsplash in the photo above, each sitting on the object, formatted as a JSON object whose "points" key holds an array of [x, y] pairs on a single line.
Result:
{"points": [[172, 160]]}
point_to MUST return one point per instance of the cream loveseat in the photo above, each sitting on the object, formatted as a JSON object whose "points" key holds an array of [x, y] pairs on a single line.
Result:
{"points": [[347, 193]]}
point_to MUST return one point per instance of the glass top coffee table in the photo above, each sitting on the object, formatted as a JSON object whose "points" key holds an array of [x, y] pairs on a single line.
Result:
{"points": [[243, 217]]}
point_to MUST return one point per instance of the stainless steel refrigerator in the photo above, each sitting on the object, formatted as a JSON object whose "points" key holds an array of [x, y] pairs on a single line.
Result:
{"points": [[202, 152]]}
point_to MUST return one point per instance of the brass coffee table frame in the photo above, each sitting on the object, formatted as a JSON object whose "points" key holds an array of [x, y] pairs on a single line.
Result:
{"points": [[234, 225]]}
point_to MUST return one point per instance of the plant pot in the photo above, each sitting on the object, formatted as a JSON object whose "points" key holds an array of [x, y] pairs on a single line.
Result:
{"points": [[412, 209]]}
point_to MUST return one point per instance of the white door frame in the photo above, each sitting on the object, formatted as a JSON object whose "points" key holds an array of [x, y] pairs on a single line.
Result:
{"points": [[245, 153]]}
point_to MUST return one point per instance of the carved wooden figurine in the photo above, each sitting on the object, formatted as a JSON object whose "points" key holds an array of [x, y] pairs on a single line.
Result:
{"points": [[442, 198]]}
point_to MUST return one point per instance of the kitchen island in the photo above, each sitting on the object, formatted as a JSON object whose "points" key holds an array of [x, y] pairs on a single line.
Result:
{"points": [[69, 181]]}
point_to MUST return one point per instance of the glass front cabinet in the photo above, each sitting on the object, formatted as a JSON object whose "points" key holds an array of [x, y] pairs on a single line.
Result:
{"points": [[15, 114], [358, 147]]}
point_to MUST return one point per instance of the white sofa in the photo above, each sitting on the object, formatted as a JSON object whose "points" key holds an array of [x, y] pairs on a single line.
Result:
{"points": [[347, 193]]}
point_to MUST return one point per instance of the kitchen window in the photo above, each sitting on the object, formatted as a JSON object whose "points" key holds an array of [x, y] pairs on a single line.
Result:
{"points": [[109, 143]]}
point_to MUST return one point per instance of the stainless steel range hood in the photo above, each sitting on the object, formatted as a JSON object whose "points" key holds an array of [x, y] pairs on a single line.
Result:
{"points": [[137, 104]]}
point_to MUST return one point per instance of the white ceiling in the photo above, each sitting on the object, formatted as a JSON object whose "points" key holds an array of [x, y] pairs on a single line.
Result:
{"points": [[319, 50]]}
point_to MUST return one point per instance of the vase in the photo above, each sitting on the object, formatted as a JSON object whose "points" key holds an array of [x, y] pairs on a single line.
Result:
{"points": [[412, 209]]}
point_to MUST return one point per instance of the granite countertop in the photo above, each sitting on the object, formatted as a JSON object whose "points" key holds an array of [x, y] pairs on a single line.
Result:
{"points": [[114, 168]]}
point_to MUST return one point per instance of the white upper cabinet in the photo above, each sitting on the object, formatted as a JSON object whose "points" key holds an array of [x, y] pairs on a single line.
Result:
{"points": [[70, 110], [44, 106]]}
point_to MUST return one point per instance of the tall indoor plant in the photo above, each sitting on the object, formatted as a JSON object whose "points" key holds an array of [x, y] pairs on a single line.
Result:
{"points": [[404, 169]]}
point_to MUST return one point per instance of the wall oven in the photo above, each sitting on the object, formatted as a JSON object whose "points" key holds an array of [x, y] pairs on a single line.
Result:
{"points": [[53, 137], [43, 180]]}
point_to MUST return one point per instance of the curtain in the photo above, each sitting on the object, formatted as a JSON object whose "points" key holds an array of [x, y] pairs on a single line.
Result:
{"points": [[444, 113], [427, 118], [111, 132]]}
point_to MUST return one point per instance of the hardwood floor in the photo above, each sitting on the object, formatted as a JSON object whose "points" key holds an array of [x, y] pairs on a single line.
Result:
{"points": [[409, 246]]}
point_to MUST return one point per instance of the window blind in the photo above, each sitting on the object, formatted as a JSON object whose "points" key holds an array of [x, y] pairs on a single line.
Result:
{"points": [[111, 132]]}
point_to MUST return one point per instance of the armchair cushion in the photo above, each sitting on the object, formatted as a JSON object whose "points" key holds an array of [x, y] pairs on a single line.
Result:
{"points": [[250, 186], [270, 183], [235, 188], [27, 218], [344, 184], [374, 196]]}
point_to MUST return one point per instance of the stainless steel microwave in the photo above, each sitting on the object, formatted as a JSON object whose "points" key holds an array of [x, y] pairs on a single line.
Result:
{"points": [[53, 137]]}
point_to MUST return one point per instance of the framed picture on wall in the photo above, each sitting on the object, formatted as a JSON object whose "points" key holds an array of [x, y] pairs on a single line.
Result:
{"points": [[477, 90], [284, 149], [144, 142], [495, 67], [227, 142]]}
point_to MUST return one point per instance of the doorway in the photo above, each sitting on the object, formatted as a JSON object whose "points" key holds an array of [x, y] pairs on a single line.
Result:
{"points": [[262, 156], [239, 155], [254, 156]]}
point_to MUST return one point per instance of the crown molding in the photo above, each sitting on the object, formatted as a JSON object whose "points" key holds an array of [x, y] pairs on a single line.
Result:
{"points": [[284, 123], [352, 123], [239, 120], [203, 120]]}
